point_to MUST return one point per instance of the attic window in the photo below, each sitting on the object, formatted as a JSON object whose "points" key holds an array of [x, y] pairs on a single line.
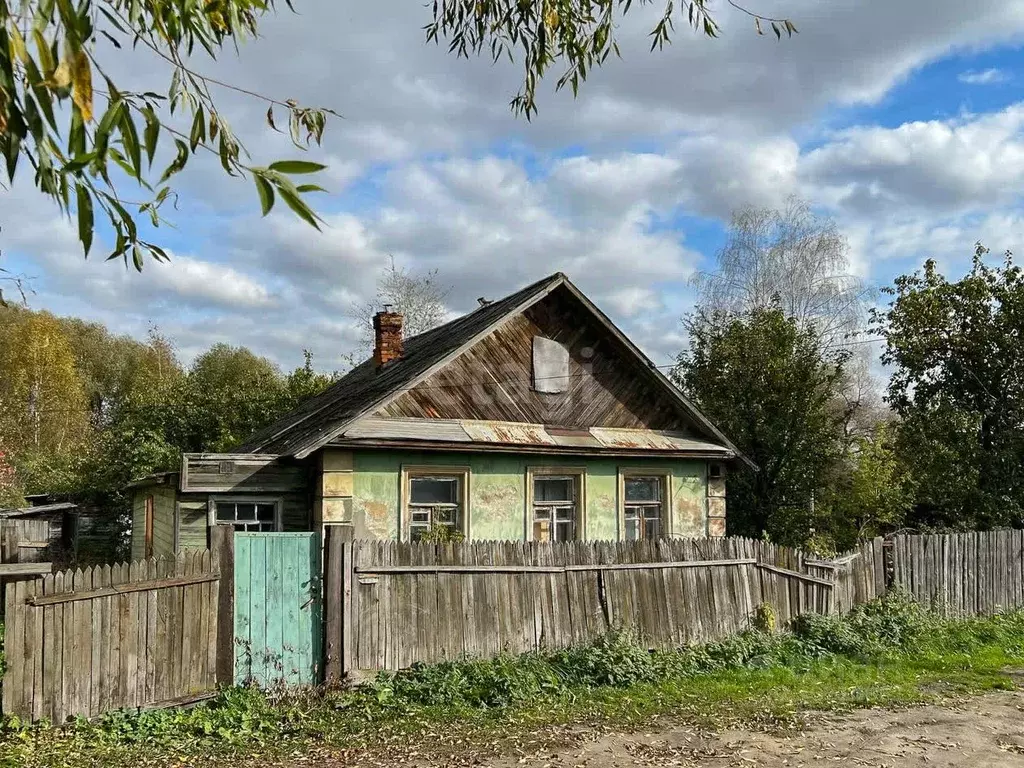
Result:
{"points": [[550, 366]]}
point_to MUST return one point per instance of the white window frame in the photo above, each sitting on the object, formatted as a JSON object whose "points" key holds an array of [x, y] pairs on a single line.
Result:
{"points": [[277, 501], [579, 475], [667, 509], [409, 471]]}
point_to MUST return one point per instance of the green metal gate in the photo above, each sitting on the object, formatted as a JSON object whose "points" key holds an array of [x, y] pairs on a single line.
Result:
{"points": [[277, 609]]}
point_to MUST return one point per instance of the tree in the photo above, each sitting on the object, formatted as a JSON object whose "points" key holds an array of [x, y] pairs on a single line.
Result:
{"points": [[871, 492], [79, 136], [43, 413], [418, 298], [304, 382], [958, 387], [792, 259], [764, 380], [580, 35], [228, 393]]}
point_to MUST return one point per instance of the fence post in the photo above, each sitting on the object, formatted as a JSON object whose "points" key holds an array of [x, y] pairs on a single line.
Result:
{"points": [[337, 600], [222, 542]]}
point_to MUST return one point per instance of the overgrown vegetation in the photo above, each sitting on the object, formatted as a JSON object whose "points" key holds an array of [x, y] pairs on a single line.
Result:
{"points": [[886, 652]]}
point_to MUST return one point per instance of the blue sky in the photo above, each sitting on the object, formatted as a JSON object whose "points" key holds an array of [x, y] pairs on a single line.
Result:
{"points": [[906, 127]]}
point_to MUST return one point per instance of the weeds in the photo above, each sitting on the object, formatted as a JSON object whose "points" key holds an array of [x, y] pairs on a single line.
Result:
{"points": [[883, 652]]}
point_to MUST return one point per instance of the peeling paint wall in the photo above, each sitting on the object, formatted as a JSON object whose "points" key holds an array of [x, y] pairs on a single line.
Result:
{"points": [[497, 492], [689, 516]]}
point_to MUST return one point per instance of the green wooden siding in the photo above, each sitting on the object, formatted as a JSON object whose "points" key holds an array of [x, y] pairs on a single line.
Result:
{"points": [[498, 491], [277, 609], [164, 498]]}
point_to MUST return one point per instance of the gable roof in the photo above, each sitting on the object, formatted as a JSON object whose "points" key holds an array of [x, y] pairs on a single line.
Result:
{"points": [[364, 389]]}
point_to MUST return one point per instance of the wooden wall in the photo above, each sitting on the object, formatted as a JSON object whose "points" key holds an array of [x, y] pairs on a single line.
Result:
{"points": [[493, 379]]}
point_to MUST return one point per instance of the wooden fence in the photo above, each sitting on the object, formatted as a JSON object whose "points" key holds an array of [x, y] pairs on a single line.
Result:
{"points": [[962, 574], [391, 604], [133, 635], [25, 541]]}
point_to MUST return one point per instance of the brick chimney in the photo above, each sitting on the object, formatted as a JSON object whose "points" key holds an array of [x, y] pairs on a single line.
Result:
{"points": [[387, 336]]}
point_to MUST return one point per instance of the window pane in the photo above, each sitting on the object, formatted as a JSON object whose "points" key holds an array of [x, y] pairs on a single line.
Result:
{"points": [[421, 516], [265, 512], [542, 530], [652, 528], [632, 529], [245, 511], [434, 490], [225, 512], [552, 489], [643, 489], [564, 531]]}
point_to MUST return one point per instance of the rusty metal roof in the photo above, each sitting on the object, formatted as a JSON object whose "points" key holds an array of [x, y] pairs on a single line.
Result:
{"points": [[513, 433]]}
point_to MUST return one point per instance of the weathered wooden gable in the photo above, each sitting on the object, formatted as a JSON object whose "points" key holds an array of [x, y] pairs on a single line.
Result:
{"points": [[493, 379]]}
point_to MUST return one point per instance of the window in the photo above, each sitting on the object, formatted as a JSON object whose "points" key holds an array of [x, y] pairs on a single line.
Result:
{"points": [[555, 507], [645, 503], [435, 497], [248, 514]]}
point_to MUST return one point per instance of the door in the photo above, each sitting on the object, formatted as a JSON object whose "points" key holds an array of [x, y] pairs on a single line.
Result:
{"points": [[277, 609]]}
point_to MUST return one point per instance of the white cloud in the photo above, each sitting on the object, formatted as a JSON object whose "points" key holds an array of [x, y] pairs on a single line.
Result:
{"points": [[944, 165], [984, 77], [429, 166]]}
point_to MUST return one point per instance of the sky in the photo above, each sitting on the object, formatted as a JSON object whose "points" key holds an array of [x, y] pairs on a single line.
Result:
{"points": [[902, 120]]}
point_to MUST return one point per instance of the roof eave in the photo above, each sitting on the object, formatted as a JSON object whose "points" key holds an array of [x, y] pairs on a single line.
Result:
{"points": [[562, 450]]}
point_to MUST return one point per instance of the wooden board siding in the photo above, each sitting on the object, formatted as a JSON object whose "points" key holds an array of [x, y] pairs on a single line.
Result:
{"points": [[194, 511], [240, 474], [493, 379]]}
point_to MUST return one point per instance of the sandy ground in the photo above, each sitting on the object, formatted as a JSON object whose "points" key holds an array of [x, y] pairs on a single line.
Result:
{"points": [[985, 731]]}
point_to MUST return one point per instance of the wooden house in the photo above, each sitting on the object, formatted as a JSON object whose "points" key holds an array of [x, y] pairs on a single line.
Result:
{"points": [[533, 417]]}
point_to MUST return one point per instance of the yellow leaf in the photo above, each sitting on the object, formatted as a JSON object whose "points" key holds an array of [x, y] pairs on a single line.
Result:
{"points": [[17, 47], [551, 18], [81, 76], [62, 75]]}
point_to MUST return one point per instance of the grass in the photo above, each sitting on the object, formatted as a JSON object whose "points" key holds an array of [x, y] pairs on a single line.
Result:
{"points": [[887, 653]]}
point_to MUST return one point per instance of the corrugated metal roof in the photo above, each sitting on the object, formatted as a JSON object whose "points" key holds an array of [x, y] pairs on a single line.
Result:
{"points": [[514, 433], [654, 440], [447, 430], [507, 432]]}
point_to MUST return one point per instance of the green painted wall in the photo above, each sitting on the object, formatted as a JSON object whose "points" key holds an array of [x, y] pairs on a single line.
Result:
{"points": [[497, 490]]}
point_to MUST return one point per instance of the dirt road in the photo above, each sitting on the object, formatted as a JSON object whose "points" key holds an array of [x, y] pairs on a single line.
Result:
{"points": [[987, 731]]}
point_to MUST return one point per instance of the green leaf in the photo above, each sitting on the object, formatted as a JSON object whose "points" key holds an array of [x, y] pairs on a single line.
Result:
{"points": [[198, 135], [130, 137], [300, 208], [178, 163], [78, 162], [266, 193], [152, 133], [85, 216], [137, 257], [309, 188], [296, 166]]}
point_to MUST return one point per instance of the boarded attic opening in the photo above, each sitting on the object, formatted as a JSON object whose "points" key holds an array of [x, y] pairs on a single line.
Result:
{"points": [[550, 366]]}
